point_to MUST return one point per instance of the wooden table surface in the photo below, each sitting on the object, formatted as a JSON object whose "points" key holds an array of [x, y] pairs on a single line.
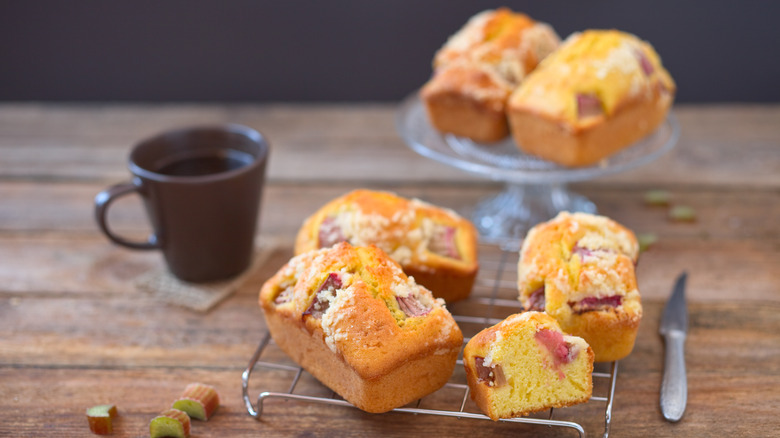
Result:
{"points": [[75, 331]]}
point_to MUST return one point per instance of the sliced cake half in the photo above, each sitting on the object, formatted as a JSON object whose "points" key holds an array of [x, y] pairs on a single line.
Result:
{"points": [[526, 364]]}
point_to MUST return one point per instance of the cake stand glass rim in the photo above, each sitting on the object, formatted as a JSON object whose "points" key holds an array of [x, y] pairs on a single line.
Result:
{"points": [[413, 126]]}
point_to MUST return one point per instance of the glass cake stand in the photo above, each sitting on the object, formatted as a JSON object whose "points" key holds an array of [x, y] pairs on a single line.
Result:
{"points": [[535, 188]]}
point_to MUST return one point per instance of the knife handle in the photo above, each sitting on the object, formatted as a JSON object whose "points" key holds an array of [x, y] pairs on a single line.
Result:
{"points": [[674, 387]]}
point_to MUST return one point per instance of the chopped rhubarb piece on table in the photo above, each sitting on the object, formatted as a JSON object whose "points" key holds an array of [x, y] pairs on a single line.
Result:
{"points": [[171, 423], [588, 105], [682, 213], [100, 418], [198, 400], [657, 197], [646, 240]]}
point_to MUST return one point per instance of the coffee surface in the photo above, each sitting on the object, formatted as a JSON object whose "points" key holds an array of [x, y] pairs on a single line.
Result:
{"points": [[206, 164]]}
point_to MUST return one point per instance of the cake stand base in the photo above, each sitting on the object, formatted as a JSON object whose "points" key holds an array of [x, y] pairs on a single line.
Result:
{"points": [[510, 214]]}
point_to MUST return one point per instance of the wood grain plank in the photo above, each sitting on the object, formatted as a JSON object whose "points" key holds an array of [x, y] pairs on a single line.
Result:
{"points": [[49, 242], [58, 408], [89, 266], [75, 331], [725, 145], [130, 328], [46, 207], [54, 395]]}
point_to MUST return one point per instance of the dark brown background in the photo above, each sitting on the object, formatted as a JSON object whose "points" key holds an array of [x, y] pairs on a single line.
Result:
{"points": [[253, 51]]}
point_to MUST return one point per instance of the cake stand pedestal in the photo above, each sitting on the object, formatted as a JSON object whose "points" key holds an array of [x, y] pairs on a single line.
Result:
{"points": [[509, 214], [535, 189]]}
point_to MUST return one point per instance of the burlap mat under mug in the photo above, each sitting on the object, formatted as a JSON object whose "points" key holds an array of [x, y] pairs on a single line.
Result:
{"points": [[201, 297]]}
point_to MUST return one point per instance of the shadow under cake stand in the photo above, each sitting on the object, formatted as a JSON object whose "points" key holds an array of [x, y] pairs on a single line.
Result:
{"points": [[535, 189]]}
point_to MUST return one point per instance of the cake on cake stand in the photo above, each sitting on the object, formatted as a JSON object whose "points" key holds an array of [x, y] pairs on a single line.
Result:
{"points": [[535, 189]]}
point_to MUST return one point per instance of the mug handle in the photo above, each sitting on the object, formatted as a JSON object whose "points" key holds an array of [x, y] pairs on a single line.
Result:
{"points": [[103, 200]]}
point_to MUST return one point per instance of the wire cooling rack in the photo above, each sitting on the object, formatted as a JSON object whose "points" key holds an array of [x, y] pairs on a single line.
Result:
{"points": [[494, 298]]}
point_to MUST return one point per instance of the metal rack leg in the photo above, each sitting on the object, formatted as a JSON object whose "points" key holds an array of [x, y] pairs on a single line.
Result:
{"points": [[247, 373]]}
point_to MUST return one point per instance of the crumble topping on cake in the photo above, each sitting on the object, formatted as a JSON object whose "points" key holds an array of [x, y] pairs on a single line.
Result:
{"points": [[501, 40], [411, 302], [358, 324], [351, 224], [331, 320], [580, 269], [608, 65], [432, 244], [461, 42]]}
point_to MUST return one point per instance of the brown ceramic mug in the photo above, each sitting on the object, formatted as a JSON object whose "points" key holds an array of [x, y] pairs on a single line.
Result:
{"points": [[202, 189]]}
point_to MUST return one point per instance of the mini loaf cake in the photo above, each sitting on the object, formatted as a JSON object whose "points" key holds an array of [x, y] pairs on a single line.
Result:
{"points": [[477, 69], [600, 92], [579, 269], [356, 322], [434, 245], [526, 364]]}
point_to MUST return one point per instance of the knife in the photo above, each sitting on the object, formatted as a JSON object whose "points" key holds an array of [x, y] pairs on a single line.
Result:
{"points": [[674, 327]]}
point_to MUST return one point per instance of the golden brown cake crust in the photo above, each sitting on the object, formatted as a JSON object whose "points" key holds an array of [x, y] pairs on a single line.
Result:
{"points": [[600, 92], [511, 43], [479, 346], [410, 231], [468, 100], [584, 265], [356, 322], [477, 69], [552, 140]]}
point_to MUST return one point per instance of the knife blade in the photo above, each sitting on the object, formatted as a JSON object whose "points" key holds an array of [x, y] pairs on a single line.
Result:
{"points": [[674, 328]]}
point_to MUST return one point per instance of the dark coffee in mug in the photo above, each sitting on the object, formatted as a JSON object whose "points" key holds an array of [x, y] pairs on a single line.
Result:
{"points": [[205, 163], [202, 190]]}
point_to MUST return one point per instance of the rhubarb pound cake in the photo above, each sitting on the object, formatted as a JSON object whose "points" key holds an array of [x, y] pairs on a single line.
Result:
{"points": [[526, 364], [434, 245], [580, 269], [477, 69], [600, 92], [354, 320]]}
